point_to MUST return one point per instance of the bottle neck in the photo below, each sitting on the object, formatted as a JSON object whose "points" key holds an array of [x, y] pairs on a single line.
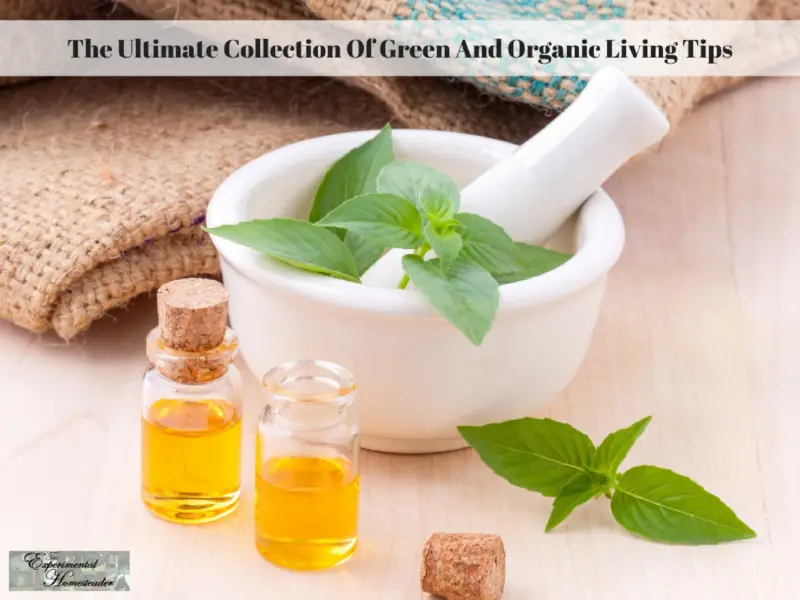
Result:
{"points": [[309, 395], [309, 415], [191, 367]]}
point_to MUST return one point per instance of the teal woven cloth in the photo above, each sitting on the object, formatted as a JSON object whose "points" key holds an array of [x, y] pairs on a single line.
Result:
{"points": [[548, 92]]}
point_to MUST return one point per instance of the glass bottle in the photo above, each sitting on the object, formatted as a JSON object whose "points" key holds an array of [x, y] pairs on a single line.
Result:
{"points": [[307, 475], [192, 407]]}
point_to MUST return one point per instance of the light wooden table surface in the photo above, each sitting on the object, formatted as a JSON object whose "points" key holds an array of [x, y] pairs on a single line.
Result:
{"points": [[700, 328]]}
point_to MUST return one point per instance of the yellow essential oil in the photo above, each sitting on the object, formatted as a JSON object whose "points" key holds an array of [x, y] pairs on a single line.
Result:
{"points": [[190, 459], [306, 511]]}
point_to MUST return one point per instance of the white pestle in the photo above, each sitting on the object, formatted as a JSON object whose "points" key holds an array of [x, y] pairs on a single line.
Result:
{"points": [[536, 189]]}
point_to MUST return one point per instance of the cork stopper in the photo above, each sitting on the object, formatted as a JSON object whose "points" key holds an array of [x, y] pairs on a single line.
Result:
{"points": [[192, 314], [464, 566]]}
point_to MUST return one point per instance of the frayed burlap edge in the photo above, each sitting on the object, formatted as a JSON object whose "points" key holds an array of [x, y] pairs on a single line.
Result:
{"points": [[136, 272]]}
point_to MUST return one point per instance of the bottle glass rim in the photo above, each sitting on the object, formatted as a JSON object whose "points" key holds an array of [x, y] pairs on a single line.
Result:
{"points": [[312, 381]]}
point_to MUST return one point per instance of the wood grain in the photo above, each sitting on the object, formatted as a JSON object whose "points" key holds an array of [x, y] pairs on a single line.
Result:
{"points": [[700, 328]]}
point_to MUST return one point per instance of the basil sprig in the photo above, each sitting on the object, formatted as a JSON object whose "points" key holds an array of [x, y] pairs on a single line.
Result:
{"points": [[368, 202], [556, 460]]}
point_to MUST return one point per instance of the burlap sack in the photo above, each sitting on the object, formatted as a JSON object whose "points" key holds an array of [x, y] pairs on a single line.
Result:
{"points": [[105, 181]]}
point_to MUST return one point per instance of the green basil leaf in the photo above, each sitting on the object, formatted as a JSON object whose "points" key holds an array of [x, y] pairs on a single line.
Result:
{"points": [[578, 490], [541, 455], [298, 243], [432, 191], [353, 174], [535, 261], [663, 506], [447, 245], [365, 252], [489, 245], [613, 450], [390, 221], [465, 295]]}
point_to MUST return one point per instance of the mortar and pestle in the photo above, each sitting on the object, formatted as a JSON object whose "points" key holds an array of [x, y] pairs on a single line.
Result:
{"points": [[419, 377]]}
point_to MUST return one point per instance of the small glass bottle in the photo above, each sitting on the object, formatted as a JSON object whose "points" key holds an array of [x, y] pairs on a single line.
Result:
{"points": [[307, 466], [192, 406]]}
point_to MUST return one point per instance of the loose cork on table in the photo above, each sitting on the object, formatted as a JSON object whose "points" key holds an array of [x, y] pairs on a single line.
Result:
{"points": [[193, 314], [464, 566]]}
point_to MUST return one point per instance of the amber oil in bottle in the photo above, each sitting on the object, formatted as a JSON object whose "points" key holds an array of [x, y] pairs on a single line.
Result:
{"points": [[191, 413], [307, 482]]}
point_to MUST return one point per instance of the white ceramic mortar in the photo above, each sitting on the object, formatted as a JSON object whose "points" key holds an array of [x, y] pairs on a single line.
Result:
{"points": [[418, 377]]}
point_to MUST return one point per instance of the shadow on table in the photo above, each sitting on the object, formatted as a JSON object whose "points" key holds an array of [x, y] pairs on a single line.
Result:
{"points": [[117, 336]]}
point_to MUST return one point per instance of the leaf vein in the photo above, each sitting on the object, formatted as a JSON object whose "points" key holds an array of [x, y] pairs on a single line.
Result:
{"points": [[673, 509]]}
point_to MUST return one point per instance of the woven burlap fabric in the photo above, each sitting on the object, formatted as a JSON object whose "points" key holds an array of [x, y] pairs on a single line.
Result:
{"points": [[676, 96], [104, 181], [426, 103], [43, 9]]}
